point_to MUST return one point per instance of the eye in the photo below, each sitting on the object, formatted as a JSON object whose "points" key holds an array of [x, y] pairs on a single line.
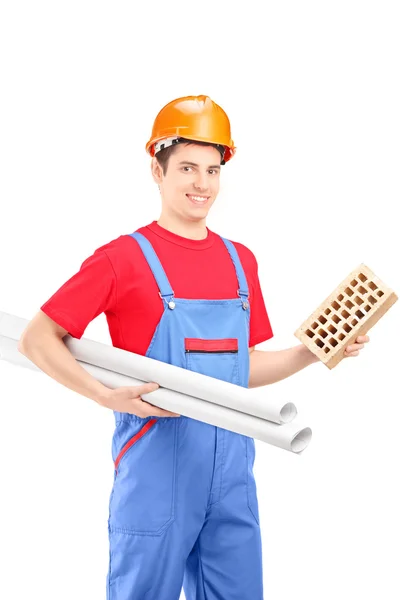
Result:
{"points": [[213, 171], [186, 168]]}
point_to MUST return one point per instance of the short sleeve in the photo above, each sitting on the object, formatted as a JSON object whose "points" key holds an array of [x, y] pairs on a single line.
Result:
{"points": [[87, 294], [260, 326]]}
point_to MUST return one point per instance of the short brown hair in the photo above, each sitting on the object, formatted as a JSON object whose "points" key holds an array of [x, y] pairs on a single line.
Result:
{"points": [[163, 155]]}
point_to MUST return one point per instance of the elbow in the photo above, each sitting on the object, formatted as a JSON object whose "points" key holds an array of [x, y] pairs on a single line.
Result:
{"points": [[37, 333], [22, 345], [26, 342]]}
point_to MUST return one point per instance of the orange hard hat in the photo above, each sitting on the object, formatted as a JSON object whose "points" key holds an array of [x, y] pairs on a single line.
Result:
{"points": [[195, 118]]}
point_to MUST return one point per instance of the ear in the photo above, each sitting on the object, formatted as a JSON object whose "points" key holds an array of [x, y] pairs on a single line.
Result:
{"points": [[156, 170]]}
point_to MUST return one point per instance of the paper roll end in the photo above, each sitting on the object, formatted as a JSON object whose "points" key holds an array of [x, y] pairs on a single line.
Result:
{"points": [[301, 440], [288, 412]]}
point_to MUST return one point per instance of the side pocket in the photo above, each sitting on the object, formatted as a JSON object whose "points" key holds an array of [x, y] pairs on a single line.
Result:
{"points": [[143, 498], [132, 441], [252, 500], [215, 358]]}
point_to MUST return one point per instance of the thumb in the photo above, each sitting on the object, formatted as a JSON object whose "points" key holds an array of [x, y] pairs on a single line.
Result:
{"points": [[149, 387]]}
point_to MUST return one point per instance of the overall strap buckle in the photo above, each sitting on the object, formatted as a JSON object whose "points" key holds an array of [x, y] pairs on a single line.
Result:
{"points": [[170, 303], [244, 298]]}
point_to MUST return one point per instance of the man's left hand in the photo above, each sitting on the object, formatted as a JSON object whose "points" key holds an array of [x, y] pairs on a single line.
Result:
{"points": [[354, 349]]}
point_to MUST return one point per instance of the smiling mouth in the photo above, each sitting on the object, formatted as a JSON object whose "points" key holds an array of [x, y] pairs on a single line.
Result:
{"points": [[199, 200]]}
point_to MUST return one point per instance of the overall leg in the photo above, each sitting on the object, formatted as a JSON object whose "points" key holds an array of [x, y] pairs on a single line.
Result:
{"points": [[157, 506], [226, 560], [145, 567], [145, 555]]}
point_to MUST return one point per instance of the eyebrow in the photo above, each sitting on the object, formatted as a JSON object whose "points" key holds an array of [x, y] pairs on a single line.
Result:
{"points": [[192, 164]]}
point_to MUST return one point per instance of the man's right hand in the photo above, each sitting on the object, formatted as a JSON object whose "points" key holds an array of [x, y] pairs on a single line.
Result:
{"points": [[127, 399], [42, 343]]}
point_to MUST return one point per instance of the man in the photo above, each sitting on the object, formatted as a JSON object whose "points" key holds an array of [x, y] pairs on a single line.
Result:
{"points": [[183, 507]]}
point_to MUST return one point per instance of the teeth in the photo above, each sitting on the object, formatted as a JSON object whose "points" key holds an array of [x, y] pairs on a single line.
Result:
{"points": [[197, 198]]}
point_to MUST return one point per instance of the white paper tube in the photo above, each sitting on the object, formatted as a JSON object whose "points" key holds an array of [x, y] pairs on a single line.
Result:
{"points": [[289, 436], [248, 401]]}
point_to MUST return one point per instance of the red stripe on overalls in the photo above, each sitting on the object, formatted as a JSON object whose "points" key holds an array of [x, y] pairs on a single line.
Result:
{"points": [[228, 344], [133, 440]]}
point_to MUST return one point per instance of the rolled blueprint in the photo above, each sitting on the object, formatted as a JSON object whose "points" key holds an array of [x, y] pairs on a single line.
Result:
{"points": [[289, 436], [248, 401]]}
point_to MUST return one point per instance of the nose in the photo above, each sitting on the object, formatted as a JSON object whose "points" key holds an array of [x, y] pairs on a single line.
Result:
{"points": [[201, 182]]}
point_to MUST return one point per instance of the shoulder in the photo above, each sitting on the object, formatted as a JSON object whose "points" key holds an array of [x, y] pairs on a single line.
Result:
{"points": [[118, 248], [116, 257]]}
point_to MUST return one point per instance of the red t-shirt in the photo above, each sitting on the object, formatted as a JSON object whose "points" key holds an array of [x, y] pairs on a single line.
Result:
{"points": [[117, 280]]}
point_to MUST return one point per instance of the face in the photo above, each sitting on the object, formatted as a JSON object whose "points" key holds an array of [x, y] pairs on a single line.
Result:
{"points": [[191, 183]]}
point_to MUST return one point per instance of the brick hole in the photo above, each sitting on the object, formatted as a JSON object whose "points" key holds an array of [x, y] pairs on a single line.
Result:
{"points": [[372, 285], [335, 305], [314, 325], [349, 304], [326, 350], [349, 291], [322, 333], [367, 308], [327, 311], [347, 327], [372, 300], [319, 343], [340, 297], [341, 336], [333, 342], [336, 319], [380, 293], [359, 314], [354, 282], [345, 314], [362, 277], [310, 333], [358, 300], [354, 322], [362, 289], [332, 329], [322, 320]]}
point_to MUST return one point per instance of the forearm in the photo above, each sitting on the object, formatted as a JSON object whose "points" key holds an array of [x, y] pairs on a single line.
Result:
{"points": [[271, 366], [52, 356]]}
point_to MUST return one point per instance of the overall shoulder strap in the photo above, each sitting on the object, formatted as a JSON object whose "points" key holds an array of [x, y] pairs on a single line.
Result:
{"points": [[243, 290], [155, 265]]}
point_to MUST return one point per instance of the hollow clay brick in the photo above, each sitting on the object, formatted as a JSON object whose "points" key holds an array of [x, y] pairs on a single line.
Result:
{"points": [[351, 310]]}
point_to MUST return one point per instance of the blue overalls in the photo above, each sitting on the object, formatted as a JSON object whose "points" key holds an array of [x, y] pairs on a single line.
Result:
{"points": [[183, 507]]}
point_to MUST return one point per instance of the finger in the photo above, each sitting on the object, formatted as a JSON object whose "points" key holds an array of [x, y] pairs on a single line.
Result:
{"points": [[150, 410], [146, 388], [354, 348], [362, 339], [351, 354], [168, 413]]}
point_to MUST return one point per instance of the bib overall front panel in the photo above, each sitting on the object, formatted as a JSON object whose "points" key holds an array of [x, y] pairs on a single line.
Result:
{"points": [[183, 507]]}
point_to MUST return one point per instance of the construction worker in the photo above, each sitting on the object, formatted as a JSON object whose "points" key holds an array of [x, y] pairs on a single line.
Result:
{"points": [[183, 508]]}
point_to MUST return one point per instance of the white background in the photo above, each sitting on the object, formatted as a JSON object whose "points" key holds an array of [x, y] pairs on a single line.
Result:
{"points": [[312, 91]]}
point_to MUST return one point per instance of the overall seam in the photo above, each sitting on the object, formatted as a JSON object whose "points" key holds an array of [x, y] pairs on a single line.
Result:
{"points": [[247, 482], [222, 470], [202, 574], [109, 575]]}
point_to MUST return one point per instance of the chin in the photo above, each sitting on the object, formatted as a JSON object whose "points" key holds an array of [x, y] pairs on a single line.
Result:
{"points": [[197, 217]]}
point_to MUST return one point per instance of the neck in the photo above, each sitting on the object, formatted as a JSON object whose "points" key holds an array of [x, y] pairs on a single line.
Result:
{"points": [[193, 230]]}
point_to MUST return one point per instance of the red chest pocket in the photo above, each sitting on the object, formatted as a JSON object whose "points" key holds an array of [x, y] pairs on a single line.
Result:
{"points": [[201, 345], [215, 358]]}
